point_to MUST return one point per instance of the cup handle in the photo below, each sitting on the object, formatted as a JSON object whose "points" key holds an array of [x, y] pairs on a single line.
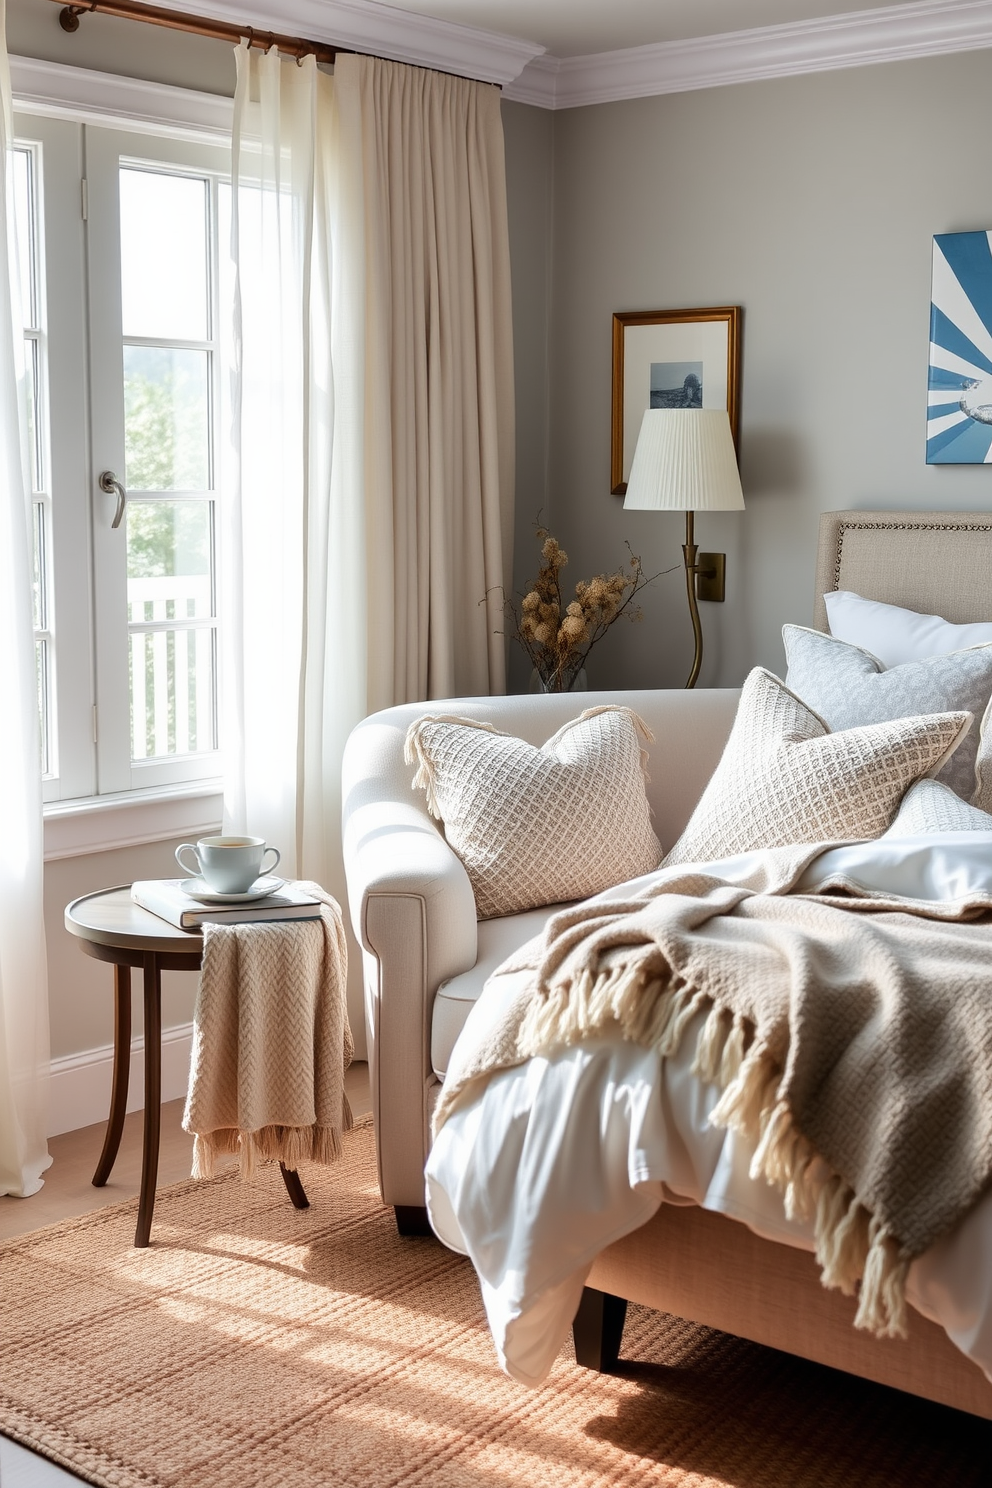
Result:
{"points": [[183, 846], [272, 866]]}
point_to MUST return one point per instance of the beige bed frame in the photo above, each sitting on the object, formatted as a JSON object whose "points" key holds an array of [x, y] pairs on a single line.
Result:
{"points": [[712, 1270]]}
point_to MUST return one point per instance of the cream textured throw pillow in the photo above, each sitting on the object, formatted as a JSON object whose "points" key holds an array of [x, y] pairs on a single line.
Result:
{"points": [[538, 826], [785, 778], [929, 807], [847, 687]]}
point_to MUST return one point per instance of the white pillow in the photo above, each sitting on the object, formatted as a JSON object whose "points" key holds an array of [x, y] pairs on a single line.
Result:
{"points": [[783, 777], [896, 635], [539, 826], [847, 687]]}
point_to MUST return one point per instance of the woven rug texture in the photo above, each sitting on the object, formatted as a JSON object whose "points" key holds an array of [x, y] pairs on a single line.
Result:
{"points": [[256, 1346]]}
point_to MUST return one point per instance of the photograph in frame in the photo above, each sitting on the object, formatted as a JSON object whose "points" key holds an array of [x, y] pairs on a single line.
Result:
{"points": [[670, 359]]}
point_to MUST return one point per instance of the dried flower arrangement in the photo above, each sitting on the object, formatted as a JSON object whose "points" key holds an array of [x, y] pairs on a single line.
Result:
{"points": [[558, 636]]}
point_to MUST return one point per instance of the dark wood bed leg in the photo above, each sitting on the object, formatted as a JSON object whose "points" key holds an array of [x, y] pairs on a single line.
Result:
{"points": [[294, 1187], [597, 1329], [412, 1220]]}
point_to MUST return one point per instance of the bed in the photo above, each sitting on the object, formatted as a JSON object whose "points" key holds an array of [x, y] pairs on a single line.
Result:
{"points": [[715, 1271], [684, 1260]]}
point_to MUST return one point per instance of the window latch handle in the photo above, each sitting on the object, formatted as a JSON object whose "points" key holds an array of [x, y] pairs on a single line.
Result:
{"points": [[110, 484]]}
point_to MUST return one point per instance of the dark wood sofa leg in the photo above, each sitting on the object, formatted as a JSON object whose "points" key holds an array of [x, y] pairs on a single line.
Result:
{"points": [[598, 1328], [412, 1220]]}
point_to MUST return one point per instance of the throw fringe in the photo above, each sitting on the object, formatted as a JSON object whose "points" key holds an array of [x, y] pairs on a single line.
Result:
{"points": [[852, 1245], [287, 1144]]}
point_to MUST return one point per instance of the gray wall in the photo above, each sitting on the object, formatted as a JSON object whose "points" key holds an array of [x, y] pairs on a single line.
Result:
{"points": [[127, 48], [812, 203], [529, 136]]}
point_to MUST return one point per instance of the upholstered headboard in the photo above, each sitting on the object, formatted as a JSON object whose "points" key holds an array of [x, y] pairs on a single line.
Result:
{"points": [[938, 563]]}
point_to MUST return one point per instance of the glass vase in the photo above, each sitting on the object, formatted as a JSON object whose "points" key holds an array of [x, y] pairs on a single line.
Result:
{"points": [[566, 682]]}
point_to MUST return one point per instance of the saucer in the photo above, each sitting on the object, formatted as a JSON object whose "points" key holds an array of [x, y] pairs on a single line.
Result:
{"points": [[260, 889]]}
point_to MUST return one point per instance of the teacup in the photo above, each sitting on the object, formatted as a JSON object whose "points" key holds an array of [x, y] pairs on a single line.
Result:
{"points": [[228, 865]]}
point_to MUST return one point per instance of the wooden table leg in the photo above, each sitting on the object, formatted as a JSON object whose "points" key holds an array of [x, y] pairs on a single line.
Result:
{"points": [[294, 1187], [152, 977], [122, 1070]]}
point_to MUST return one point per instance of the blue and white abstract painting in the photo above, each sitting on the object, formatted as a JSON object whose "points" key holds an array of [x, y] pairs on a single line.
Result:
{"points": [[959, 399]]}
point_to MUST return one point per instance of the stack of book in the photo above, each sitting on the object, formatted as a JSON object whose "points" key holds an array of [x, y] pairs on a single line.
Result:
{"points": [[166, 898]]}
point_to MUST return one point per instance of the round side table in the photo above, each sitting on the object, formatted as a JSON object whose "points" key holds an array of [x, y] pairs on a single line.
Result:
{"points": [[111, 927]]}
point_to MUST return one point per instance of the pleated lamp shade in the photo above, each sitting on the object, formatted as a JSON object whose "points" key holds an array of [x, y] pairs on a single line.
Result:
{"points": [[684, 461]]}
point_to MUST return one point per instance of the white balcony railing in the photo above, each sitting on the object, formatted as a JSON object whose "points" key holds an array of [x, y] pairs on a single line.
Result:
{"points": [[173, 674]]}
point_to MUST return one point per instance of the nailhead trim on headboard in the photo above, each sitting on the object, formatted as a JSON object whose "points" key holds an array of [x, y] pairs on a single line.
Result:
{"points": [[900, 527]]}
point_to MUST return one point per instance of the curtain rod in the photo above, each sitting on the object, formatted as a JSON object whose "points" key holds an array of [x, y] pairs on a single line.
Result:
{"points": [[177, 20]]}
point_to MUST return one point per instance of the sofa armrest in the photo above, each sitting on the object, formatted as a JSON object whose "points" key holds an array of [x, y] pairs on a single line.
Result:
{"points": [[414, 914]]}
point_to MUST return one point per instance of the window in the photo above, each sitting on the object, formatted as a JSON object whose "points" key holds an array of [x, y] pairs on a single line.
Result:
{"points": [[122, 331]]}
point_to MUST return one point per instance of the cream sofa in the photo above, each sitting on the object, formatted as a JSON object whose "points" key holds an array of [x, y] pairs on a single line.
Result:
{"points": [[426, 956]]}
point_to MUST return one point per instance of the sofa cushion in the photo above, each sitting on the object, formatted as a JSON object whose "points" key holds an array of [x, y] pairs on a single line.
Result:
{"points": [[785, 778], [457, 996], [847, 686], [538, 826]]}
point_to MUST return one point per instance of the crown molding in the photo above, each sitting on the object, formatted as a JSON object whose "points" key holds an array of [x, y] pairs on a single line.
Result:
{"points": [[59, 91], [924, 28], [382, 31], [892, 33]]}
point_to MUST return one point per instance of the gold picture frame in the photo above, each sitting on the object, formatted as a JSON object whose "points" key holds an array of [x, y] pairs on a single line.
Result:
{"points": [[702, 347]]}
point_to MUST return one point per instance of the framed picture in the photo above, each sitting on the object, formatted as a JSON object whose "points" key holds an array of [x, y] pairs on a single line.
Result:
{"points": [[670, 359], [959, 386]]}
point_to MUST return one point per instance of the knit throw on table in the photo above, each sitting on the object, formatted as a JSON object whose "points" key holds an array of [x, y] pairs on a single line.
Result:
{"points": [[271, 1042]]}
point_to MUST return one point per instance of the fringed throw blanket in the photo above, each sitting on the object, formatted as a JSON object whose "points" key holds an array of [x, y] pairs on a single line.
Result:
{"points": [[271, 1042], [853, 1049]]}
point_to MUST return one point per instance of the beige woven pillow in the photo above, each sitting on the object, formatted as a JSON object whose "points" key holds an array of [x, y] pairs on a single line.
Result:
{"points": [[784, 777], [929, 806], [538, 826]]}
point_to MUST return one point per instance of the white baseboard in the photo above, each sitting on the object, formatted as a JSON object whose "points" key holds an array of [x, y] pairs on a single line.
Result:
{"points": [[80, 1083]]}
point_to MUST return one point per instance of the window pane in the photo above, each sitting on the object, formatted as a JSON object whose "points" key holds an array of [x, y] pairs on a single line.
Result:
{"points": [[23, 225], [40, 597], [32, 382], [169, 560], [163, 255], [166, 419], [172, 692], [44, 712]]}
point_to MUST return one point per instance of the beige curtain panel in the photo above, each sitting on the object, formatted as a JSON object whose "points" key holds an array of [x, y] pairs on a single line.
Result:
{"points": [[439, 418]]}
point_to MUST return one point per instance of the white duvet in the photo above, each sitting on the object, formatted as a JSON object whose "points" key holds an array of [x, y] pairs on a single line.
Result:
{"points": [[559, 1157]]}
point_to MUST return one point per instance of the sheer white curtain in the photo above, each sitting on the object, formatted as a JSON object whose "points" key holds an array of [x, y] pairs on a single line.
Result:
{"points": [[370, 493], [293, 588], [23, 972]]}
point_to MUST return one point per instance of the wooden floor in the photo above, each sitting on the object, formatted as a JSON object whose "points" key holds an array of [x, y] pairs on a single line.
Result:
{"points": [[68, 1190]]}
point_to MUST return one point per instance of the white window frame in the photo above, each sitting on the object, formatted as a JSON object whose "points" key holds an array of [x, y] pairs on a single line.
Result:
{"points": [[50, 92], [106, 151]]}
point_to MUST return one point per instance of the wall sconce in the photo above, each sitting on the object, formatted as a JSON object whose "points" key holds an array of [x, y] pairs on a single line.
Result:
{"points": [[685, 460]]}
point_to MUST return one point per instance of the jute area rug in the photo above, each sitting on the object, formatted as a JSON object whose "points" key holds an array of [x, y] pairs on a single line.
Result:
{"points": [[253, 1344]]}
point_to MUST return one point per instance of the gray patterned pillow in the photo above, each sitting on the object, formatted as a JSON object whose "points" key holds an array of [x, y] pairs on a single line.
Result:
{"points": [[785, 778], [930, 807], [849, 687]]}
